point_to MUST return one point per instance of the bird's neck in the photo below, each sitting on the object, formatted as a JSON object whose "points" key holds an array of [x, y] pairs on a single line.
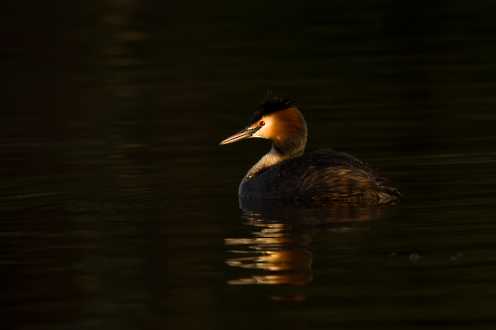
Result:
{"points": [[271, 158], [276, 155]]}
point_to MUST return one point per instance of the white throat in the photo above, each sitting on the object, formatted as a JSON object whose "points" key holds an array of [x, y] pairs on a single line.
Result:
{"points": [[271, 158]]}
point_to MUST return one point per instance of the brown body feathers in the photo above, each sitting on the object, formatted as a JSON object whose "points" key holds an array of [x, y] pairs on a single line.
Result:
{"points": [[320, 177]]}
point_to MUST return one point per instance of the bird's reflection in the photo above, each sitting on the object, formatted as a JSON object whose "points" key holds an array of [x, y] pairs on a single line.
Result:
{"points": [[271, 253], [275, 247]]}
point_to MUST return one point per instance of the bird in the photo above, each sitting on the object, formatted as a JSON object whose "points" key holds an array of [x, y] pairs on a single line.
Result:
{"points": [[289, 174]]}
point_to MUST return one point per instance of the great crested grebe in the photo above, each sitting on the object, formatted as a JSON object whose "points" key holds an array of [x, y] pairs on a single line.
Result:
{"points": [[289, 173]]}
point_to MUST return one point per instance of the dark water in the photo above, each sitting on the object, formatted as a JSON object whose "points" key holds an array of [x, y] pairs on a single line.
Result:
{"points": [[119, 211]]}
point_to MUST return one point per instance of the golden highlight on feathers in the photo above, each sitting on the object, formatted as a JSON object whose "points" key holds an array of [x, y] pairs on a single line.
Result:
{"points": [[288, 123], [286, 129]]}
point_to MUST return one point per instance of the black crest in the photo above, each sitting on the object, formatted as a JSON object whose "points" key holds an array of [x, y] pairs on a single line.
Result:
{"points": [[271, 105]]}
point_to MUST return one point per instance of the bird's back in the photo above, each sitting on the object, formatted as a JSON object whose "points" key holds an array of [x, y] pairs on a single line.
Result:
{"points": [[320, 177]]}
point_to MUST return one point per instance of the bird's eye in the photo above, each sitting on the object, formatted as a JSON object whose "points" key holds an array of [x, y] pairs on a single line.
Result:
{"points": [[261, 123]]}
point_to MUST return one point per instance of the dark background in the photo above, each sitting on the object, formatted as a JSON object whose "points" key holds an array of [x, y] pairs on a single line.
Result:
{"points": [[119, 211]]}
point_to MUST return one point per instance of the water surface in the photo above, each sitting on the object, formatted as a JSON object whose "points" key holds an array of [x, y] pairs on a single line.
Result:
{"points": [[120, 211]]}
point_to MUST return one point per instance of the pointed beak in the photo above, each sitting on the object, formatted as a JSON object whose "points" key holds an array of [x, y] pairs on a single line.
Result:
{"points": [[241, 135]]}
